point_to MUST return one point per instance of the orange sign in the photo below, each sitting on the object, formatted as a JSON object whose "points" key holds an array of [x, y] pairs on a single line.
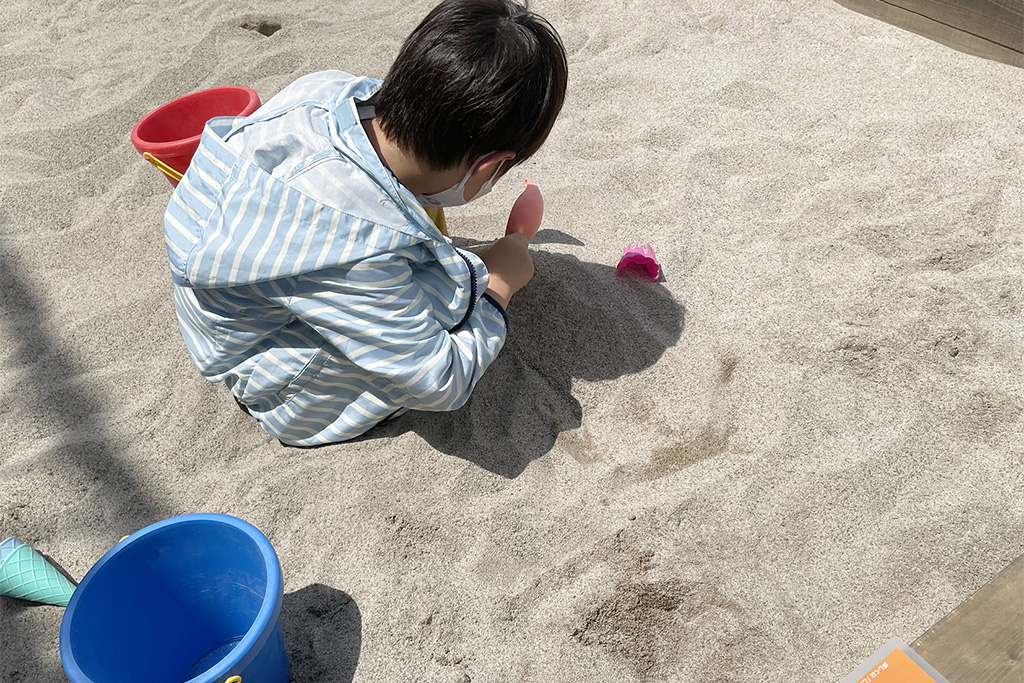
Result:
{"points": [[897, 667]]}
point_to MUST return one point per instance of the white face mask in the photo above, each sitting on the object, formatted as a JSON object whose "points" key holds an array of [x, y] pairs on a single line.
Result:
{"points": [[455, 196]]}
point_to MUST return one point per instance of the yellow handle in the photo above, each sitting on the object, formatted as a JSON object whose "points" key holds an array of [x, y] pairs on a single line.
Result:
{"points": [[172, 174], [436, 214], [234, 679]]}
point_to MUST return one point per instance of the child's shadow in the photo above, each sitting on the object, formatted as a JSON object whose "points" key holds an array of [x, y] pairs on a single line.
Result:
{"points": [[575, 320]]}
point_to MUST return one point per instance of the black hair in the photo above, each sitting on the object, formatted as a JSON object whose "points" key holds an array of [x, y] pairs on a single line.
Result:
{"points": [[476, 76]]}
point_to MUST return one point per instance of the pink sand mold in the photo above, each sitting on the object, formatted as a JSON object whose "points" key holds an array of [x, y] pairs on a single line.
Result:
{"points": [[639, 256]]}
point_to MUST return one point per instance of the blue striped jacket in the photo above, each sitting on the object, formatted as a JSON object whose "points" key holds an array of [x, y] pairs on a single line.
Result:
{"points": [[311, 282]]}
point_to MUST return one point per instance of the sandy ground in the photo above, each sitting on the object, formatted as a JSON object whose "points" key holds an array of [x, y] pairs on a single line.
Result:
{"points": [[806, 439]]}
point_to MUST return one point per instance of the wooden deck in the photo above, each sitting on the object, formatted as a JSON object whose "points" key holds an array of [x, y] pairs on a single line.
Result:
{"points": [[982, 640], [993, 29]]}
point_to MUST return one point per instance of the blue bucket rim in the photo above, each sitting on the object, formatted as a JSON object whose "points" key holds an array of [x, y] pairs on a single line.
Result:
{"points": [[253, 640]]}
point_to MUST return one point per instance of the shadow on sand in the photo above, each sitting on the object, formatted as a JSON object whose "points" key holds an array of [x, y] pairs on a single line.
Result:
{"points": [[322, 634], [575, 320], [51, 391]]}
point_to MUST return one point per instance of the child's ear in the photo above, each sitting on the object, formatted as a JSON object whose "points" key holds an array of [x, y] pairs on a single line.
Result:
{"points": [[489, 164]]}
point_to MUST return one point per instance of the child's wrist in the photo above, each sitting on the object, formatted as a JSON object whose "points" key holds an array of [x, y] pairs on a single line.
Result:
{"points": [[499, 293]]}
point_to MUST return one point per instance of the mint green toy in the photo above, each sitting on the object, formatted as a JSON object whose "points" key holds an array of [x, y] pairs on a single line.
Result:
{"points": [[26, 574]]}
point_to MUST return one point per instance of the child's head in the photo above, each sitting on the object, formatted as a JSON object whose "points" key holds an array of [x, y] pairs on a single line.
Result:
{"points": [[476, 76]]}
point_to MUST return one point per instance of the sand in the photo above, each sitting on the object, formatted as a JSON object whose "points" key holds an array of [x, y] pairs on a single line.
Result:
{"points": [[805, 440]]}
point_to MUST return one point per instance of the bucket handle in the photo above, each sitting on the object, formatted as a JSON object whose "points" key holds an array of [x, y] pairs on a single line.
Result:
{"points": [[174, 175], [234, 679]]}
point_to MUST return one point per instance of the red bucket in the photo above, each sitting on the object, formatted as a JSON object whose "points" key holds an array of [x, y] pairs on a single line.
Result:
{"points": [[169, 135]]}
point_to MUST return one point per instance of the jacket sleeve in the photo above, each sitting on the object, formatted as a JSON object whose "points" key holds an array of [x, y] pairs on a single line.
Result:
{"points": [[377, 316]]}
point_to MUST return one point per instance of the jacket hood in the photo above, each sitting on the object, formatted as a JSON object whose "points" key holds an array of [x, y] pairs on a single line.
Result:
{"points": [[230, 222]]}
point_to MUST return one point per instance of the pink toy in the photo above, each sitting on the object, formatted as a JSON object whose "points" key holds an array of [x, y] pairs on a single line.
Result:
{"points": [[526, 212], [639, 256]]}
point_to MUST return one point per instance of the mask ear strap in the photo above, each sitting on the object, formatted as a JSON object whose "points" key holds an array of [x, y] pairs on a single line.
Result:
{"points": [[481, 160], [472, 169], [478, 161], [497, 170]]}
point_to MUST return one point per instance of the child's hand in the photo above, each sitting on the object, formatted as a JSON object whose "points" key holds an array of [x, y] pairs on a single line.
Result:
{"points": [[510, 266]]}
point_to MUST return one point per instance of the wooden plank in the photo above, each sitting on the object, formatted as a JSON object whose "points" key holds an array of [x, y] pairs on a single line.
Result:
{"points": [[982, 640], [993, 29], [999, 21]]}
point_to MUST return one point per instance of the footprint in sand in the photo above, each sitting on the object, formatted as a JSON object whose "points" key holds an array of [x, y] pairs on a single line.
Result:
{"points": [[264, 27]]}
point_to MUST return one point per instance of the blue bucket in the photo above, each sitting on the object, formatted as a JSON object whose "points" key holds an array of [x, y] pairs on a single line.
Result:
{"points": [[191, 599]]}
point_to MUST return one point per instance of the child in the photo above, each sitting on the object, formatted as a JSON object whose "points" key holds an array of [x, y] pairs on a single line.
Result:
{"points": [[308, 275]]}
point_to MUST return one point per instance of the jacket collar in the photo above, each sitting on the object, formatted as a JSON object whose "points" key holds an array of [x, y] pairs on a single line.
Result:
{"points": [[349, 137]]}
